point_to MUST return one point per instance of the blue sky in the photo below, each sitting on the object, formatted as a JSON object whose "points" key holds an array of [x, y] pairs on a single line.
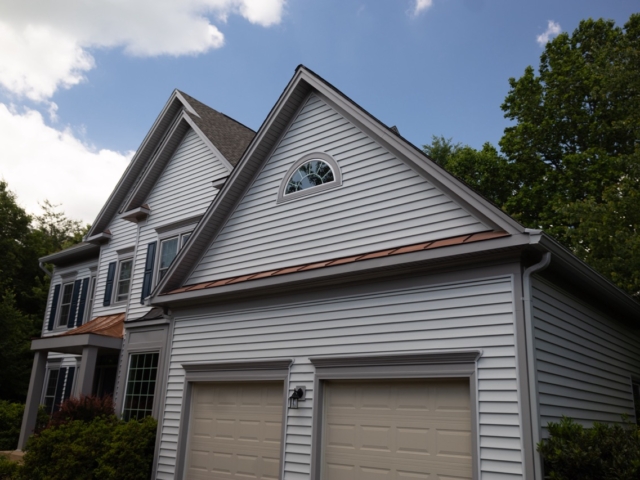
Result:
{"points": [[442, 70]]}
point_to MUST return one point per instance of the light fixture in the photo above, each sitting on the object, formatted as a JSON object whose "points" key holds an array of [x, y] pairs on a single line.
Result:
{"points": [[297, 395]]}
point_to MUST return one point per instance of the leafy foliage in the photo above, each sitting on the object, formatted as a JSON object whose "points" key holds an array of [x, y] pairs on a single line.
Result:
{"points": [[570, 164], [104, 448], [11, 421], [604, 452], [8, 469], [23, 285], [84, 408]]}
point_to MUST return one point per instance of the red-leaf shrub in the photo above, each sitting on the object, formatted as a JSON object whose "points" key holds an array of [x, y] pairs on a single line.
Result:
{"points": [[84, 408]]}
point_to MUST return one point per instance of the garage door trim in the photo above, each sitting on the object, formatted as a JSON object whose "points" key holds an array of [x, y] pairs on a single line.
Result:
{"points": [[412, 365], [243, 371]]}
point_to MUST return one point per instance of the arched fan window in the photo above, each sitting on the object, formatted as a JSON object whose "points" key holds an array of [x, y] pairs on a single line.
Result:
{"points": [[312, 173]]}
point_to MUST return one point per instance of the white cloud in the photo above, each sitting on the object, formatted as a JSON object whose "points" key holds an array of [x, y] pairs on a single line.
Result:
{"points": [[421, 5], [553, 30], [39, 162], [44, 45]]}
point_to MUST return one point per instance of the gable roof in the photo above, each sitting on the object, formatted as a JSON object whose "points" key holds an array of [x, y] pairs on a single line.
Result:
{"points": [[303, 82], [180, 113], [228, 135]]}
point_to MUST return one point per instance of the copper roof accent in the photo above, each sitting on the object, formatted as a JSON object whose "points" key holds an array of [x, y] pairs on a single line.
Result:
{"points": [[445, 242], [108, 325]]}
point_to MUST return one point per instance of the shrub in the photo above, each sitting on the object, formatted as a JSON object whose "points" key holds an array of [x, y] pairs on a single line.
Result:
{"points": [[604, 452], [130, 453], [102, 448], [84, 408], [8, 469], [11, 421]]}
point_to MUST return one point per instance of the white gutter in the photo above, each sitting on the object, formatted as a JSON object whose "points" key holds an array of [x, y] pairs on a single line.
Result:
{"points": [[44, 269], [531, 365]]}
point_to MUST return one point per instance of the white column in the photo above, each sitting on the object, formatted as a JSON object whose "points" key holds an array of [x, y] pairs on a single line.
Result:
{"points": [[36, 384], [84, 382]]}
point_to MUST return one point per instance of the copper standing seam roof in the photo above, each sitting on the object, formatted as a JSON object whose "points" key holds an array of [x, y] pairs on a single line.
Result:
{"points": [[108, 325], [445, 242]]}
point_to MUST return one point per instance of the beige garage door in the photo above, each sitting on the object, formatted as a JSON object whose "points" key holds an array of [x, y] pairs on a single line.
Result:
{"points": [[418, 429], [235, 431]]}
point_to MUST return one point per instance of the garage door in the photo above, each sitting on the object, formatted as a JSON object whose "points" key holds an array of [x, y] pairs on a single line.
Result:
{"points": [[397, 430], [235, 431]]}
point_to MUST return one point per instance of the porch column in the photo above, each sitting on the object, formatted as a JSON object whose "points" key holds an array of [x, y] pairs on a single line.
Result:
{"points": [[84, 383], [34, 395]]}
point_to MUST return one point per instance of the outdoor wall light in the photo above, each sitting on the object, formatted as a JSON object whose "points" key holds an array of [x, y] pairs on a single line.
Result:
{"points": [[297, 395]]}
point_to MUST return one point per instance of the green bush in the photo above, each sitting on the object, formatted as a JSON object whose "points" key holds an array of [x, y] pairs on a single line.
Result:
{"points": [[129, 456], [8, 469], [104, 448], [603, 452], [85, 408], [11, 421]]}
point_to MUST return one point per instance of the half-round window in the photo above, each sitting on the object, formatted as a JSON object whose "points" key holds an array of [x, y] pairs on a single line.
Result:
{"points": [[311, 174]]}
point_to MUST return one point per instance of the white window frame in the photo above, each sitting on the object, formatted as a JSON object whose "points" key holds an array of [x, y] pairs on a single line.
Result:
{"points": [[116, 281], [179, 233], [324, 157], [57, 324], [91, 297], [126, 384]]}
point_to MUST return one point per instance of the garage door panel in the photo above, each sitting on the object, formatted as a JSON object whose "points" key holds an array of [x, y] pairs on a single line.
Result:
{"points": [[397, 429], [235, 431]]}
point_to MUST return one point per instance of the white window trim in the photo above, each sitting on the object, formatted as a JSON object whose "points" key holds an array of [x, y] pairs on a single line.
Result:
{"points": [[328, 159], [93, 280], [163, 237], [126, 383], [65, 281], [116, 281]]}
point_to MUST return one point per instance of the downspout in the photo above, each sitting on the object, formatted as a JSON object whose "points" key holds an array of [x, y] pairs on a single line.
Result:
{"points": [[44, 269], [531, 365]]}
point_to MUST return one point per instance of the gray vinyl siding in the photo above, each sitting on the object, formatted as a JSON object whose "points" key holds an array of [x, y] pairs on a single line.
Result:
{"points": [[82, 270], [585, 359], [124, 235], [413, 317], [184, 190], [382, 203]]}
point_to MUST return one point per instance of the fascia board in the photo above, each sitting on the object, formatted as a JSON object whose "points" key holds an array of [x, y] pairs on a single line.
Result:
{"points": [[208, 143], [139, 194], [560, 255], [186, 104], [136, 165], [350, 269], [226, 198], [472, 201], [62, 342], [71, 253]]}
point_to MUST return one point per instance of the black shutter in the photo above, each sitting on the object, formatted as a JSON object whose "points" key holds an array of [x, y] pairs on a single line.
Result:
{"points": [[74, 303], [108, 288], [54, 307], [62, 374], [148, 271], [69, 385], [83, 301]]}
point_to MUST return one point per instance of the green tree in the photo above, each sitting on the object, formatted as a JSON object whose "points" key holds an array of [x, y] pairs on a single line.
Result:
{"points": [[485, 170], [576, 123], [23, 285], [570, 164]]}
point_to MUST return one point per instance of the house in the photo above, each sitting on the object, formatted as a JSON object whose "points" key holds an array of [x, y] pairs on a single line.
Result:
{"points": [[319, 300]]}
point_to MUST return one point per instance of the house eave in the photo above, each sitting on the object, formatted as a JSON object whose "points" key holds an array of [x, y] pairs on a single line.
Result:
{"points": [[75, 343], [77, 253], [346, 272]]}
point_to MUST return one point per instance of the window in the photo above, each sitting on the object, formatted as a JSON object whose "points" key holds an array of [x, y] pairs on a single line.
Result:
{"points": [[124, 280], [50, 391], [141, 385], [312, 173], [92, 294], [169, 248], [65, 304]]}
